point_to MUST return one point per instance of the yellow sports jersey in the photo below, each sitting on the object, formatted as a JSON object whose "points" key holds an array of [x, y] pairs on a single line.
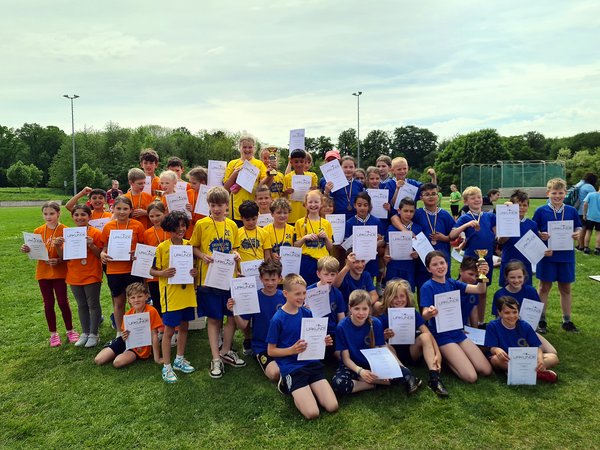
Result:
{"points": [[280, 237], [210, 236], [173, 297], [298, 210], [317, 248], [242, 194], [276, 187], [253, 243]]}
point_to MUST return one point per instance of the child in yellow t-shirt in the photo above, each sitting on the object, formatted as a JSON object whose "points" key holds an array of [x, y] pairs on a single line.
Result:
{"points": [[298, 163]]}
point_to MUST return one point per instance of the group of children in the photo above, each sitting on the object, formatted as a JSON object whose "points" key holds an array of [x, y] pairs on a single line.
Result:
{"points": [[256, 225]]}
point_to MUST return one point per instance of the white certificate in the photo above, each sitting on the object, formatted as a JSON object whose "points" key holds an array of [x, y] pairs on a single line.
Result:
{"points": [[37, 247], [119, 245], [244, 293], [332, 172], [406, 191], [143, 260], [508, 223], [220, 271], [531, 312], [595, 277], [338, 225], [99, 223], [201, 206], [422, 246], [291, 257], [532, 247], [317, 300], [364, 242], [148, 185], [75, 246], [522, 365], [247, 176], [449, 316], [216, 173], [177, 202], [347, 244], [301, 185], [476, 335], [456, 255], [382, 363], [378, 198], [250, 269], [181, 257], [297, 139], [401, 245], [138, 326], [561, 235], [402, 322], [313, 332], [264, 220], [181, 186]]}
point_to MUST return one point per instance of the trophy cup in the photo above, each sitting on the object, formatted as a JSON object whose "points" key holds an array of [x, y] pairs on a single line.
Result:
{"points": [[273, 155], [158, 195], [482, 254]]}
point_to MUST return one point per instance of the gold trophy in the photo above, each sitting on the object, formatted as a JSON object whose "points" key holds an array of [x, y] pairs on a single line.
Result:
{"points": [[482, 254], [273, 156], [158, 194]]}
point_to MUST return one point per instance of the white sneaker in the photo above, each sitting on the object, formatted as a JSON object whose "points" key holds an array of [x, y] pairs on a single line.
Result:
{"points": [[92, 341], [83, 338], [216, 368], [233, 359]]}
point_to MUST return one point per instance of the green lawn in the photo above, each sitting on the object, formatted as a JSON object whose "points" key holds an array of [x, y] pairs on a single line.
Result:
{"points": [[55, 398], [28, 193]]}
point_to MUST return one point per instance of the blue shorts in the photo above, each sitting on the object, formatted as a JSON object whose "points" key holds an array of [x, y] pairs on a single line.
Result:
{"points": [[118, 282], [174, 318], [408, 275], [563, 272], [212, 302], [308, 269], [450, 337], [304, 376], [118, 346]]}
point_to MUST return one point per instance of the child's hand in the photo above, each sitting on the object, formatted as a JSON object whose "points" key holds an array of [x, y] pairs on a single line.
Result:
{"points": [[138, 212], [230, 304], [548, 252], [387, 206], [125, 335], [502, 355], [311, 237], [429, 312], [399, 184], [328, 340], [275, 257], [437, 236], [105, 258], [299, 346], [206, 259], [235, 188], [544, 236], [387, 258], [53, 261], [388, 333], [58, 242], [288, 191], [193, 272], [351, 258], [25, 248], [322, 234], [576, 235], [414, 255], [473, 224], [431, 171], [188, 206], [540, 365], [368, 376], [483, 268], [86, 190], [89, 240], [168, 273], [328, 187], [508, 203], [236, 256], [437, 365]]}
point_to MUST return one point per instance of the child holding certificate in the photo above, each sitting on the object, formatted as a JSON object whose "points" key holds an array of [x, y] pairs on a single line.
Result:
{"points": [[509, 331], [149, 164], [154, 236], [51, 274], [460, 353], [397, 294], [344, 199], [297, 161], [280, 232], [353, 277], [139, 199], [177, 301], [116, 350], [216, 233], [197, 177], [357, 332], [314, 234], [560, 266]]}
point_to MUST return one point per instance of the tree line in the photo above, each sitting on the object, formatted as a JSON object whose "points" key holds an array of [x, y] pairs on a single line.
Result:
{"points": [[33, 155]]}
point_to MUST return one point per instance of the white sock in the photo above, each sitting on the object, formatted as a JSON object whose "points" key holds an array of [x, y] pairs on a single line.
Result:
{"points": [[119, 334], [168, 366], [178, 357]]}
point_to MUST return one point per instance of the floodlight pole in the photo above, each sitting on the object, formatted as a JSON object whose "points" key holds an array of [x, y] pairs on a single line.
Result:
{"points": [[357, 95], [73, 97]]}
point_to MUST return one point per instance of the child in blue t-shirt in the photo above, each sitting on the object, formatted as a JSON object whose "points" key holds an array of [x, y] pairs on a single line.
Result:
{"points": [[343, 199], [357, 332], [270, 299], [468, 272], [353, 277], [591, 218], [304, 380], [509, 331]]}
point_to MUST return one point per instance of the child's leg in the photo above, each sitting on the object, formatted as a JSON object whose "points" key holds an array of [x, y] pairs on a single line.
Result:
{"points": [[119, 310], [105, 356], [182, 339], [459, 362], [228, 332], [499, 364], [166, 344], [213, 328], [60, 288], [306, 402], [424, 345], [124, 359], [550, 360], [272, 371], [543, 292], [82, 308], [565, 300], [325, 395], [92, 293], [588, 235], [546, 346], [477, 358], [48, 298], [597, 240]]}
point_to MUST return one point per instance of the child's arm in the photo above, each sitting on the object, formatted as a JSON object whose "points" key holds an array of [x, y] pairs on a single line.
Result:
{"points": [[339, 278], [156, 347], [328, 243], [540, 360], [478, 288], [268, 253], [500, 354], [364, 374], [166, 273], [232, 178], [275, 352], [75, 199], [456, 231], [432, 174]]}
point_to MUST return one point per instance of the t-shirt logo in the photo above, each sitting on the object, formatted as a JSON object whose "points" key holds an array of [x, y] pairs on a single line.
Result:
{"points": [[219, 245], [522, 342], [276, 247], [250, 243], [367, 341], [277, 187]]}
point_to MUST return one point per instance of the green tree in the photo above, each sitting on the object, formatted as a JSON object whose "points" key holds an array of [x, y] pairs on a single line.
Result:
{"points": [[347, 142], [376, 143], [43, 144], [11, 147], [417, 145], [18, 174], [86, 176], [36, 175]]}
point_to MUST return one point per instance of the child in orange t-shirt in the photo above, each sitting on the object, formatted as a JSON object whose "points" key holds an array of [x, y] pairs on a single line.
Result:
{"points": [[149, 163], [116, 350], [154, 236], [51, 274], [139, 199], [197, 176]]}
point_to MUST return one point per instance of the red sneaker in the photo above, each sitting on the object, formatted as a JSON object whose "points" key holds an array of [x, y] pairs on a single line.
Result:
{"points": [[549, 376]]}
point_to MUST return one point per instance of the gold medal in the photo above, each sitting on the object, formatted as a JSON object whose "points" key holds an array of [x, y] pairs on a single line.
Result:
{"points": [[83, 262], [349, 207], [434, 242]]}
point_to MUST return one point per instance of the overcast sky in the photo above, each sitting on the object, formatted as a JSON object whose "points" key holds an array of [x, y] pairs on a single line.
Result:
{"points": [[269, 66]]}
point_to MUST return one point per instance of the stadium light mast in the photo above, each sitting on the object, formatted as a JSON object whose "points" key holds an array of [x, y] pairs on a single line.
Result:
{"points": [[73, 97], [357, 95]]}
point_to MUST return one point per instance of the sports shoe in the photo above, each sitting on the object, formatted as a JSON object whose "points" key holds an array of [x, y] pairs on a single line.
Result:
{"points": [[570, 327], [183, 365], [233, 359], [412, 384], [436, 385], [597, 252], [92, 341], [282, 386], [586, 250], [482, 325], [168, 375], [247, 347], [549, 376], [113, 324], [83, 337], [579, 249], [55, 340], [73, 336], [216, 368], [542, 327]]}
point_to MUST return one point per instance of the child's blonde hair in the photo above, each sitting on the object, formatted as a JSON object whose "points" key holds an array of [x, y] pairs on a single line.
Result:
{"points": [[262, 188], [348, 158], [391, 291], [246, 138], [328, 264], [292, 279], [54, 205], [556, 184], [135, 174], [199, 174], [168, 174], [326, 201], [471, 190], [398, 160], [356, 298], [136, 288], [373, 169], [217, 195], [314, 192], [280, 203]]}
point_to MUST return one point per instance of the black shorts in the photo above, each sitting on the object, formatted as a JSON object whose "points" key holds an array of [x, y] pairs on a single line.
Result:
{"points": [[118, 346], [264, 360], [305, 376], [454, 209], [591, 225], [403, 352], [118, 282]]}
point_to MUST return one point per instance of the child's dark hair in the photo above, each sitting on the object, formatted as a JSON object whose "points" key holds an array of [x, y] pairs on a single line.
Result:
{"points": [[468, 263], [407, 202], [52, 204], [298, 153], [356, 298], [515, 264], [148, 154], [97, 191], [432, 255], [248, 209], [156, 205], [363, 196], [174, 161], [493, 192], [172, 220], [270, 267], [519, 196], [507, 301], [429, 187], [85, 208]]}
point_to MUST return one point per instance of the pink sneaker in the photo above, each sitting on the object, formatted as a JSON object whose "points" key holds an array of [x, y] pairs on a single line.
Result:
{"points": [[73, 336], [54, 340]]}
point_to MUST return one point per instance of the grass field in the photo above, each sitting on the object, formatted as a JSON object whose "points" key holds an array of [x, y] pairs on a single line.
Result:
{"points": [[55, 398], [27, 193]]}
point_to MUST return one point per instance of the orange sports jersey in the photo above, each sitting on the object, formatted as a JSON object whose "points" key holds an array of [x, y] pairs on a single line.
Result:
{"points": [[155, 322], [141, 201], [155, 185], [81, 272], [44, 271], [154, 236], [193, 198], [117, 267], [100, 215]]}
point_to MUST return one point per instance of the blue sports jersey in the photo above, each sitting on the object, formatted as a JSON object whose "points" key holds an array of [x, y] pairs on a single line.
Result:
{"points": [[527, 291], [484, 239], [349, 284], [510, 252], [427, 298], [338, 305], [284, 332], [408, 264], [523, 335], [467, 303], [261, 320], [545, 214], [344, 198], [354, 339], [385, 320], [441, 222], [372, 265]]}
